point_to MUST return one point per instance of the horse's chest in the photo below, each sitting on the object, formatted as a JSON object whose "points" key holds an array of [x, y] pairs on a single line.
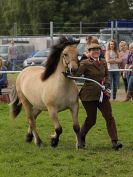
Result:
{"points": [[66, 100], [61, 99]]}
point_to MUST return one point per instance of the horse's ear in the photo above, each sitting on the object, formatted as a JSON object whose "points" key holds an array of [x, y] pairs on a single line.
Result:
{"points": [[72, 40], [68, 40]]}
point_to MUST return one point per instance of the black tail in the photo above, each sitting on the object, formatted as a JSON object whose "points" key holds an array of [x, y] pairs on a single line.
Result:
{"points": [[15, 105]]}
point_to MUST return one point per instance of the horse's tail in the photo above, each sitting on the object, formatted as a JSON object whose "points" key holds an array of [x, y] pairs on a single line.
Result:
{"points": [[15, 103]]}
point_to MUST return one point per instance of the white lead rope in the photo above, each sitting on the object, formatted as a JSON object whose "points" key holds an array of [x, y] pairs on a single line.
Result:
{"points": [[88, 79]]}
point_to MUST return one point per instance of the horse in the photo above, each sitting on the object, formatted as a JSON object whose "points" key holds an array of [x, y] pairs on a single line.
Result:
{"points": [[46, 88]]}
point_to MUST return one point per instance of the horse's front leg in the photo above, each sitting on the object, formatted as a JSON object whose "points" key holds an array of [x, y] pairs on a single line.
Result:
{"points": [[74, 110], [57, 126]]}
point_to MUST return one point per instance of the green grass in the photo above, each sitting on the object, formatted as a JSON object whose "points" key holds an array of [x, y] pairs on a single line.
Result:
{"points": [[12, 77], [18, 159]]}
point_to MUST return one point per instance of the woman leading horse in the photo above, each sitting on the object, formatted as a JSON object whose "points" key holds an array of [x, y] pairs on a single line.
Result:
{"points": [[47, 89]]}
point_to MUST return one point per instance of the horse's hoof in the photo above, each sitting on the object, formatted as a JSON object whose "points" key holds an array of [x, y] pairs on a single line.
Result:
{"points": [[117, 146], [54, 142], [29, 138], [80, 146], [40, 143]]}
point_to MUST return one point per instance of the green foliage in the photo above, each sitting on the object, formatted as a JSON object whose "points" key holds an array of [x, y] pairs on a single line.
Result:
{"points": [[18, 159], [37, 12]]}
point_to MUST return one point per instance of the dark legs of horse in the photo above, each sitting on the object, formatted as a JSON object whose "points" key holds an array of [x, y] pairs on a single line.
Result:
{"points": [[29, 136], [55, 138], [57, 126]]}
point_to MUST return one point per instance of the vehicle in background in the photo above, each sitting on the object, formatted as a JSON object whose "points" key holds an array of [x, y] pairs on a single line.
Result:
{"points": [[23, 51], [39, 58], [81, 48]]}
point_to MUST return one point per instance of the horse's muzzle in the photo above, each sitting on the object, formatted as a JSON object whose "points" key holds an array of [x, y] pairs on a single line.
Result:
{"points": [[72, 71], [72, 68]]}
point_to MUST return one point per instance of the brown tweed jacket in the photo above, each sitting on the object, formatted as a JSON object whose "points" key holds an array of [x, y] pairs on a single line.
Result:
{"points": [[99, 72]]}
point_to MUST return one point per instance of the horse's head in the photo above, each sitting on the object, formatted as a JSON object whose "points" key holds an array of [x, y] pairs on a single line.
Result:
{"points": [[70, 58], [65, 52]]}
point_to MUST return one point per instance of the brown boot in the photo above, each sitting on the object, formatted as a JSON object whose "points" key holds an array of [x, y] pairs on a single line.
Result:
{"points": [[128, 96]]}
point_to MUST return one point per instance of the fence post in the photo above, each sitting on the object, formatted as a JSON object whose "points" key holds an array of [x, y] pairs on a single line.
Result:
{"points": [[112, 29], [116, 31], [51, 32], [15, 29], [80, 27]]}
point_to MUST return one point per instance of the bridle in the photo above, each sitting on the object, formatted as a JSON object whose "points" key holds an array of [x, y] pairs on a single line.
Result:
{"points": [[68, 60]]}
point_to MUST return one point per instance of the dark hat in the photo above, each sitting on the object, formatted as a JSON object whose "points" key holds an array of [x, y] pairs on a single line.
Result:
{"points": [[94, 46]]}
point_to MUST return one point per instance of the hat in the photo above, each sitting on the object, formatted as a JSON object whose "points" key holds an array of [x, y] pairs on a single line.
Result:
{"points": [[94, 46]]}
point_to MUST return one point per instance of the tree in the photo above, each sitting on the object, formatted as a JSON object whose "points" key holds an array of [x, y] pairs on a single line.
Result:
{"points": [[34, 16]]}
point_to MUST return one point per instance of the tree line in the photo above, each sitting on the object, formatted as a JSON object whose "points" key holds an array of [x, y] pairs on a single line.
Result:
{"points": [[33, 14]]}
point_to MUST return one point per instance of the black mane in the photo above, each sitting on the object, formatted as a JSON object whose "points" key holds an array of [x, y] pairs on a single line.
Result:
{"points": [[54, 57]]}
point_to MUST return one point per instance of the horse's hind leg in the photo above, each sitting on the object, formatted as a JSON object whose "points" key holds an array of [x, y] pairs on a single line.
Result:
{"points": [[30, 117], [74, 110], [57, 126], [29, 136], [32, 125]]}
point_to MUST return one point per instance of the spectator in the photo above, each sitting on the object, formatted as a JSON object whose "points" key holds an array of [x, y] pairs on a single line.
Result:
{"points": [[92, 97], [123, 54], [3, 76], [113, 61], [129, 74], [12, 55]]}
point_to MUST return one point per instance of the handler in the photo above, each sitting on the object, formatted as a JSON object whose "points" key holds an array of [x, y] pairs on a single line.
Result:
{"points": [[92, 96]]}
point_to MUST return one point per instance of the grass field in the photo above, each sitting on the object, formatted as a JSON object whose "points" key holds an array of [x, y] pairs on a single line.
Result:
{"points": [[18, 159]]}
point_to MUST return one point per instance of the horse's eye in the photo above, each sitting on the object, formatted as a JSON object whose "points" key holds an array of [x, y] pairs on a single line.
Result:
{"points": [[65, 54]]}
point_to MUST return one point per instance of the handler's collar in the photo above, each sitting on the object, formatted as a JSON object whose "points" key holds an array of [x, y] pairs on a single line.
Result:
{"points": [[95, 59]]}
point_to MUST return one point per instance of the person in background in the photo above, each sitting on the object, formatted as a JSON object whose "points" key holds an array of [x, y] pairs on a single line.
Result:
{"points": [[93, 98], [12, 55], [3, 76], [113, 61], [129, 74], [123, 54]]}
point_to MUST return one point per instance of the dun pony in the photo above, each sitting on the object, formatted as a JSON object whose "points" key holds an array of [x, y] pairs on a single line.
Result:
{"points": [[47, 89]]}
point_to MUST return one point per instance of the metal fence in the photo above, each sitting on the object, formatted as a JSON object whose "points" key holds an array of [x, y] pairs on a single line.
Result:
{"points": [[118, 30], [46, 28]]}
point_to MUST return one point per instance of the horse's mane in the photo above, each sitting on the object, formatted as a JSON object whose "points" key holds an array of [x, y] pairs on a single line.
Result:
{"points": [[54, 57]]}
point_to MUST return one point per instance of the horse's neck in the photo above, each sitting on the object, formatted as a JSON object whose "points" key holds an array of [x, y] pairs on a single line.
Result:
{"points": [[59, 74], [60, 68]]}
